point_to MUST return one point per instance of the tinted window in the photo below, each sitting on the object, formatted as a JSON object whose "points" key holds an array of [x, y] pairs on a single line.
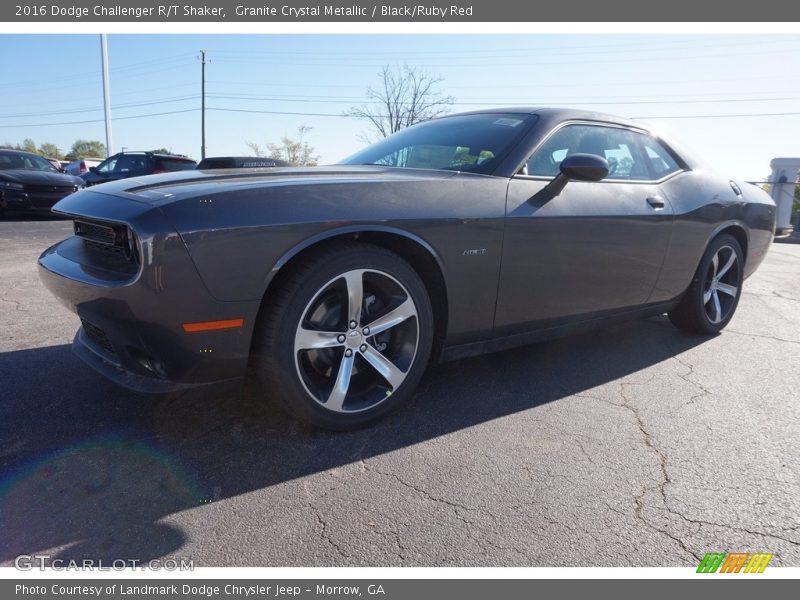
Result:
{"points": [[107, 166], [131, 163], [174, 164], [475, 143], [24, 161], [620, 147], [11, 161]]}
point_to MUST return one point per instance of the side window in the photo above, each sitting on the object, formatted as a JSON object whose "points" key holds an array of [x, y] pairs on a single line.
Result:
{"points": [[619, 146], [107, 166], [661, 161], [438, 157], [547, 159], [130, 163]]}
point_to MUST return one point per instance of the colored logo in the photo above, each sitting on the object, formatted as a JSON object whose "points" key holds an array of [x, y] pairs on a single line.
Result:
{"points": [[736, 562]]}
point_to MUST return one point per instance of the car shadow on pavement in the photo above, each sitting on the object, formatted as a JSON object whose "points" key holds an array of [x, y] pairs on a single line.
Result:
{"points": [[88, 469]]}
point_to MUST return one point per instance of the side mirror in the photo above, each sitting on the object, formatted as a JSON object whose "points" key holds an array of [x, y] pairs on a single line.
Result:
{"points": [[93, 169], [578, 167]]}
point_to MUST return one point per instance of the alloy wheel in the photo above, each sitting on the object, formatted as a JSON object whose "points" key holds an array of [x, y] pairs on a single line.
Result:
{"points": [[721, 285], [356, 340]]}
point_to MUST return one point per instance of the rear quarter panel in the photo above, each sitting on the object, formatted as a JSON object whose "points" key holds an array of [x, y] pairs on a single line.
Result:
{"points": [[704, 204]]}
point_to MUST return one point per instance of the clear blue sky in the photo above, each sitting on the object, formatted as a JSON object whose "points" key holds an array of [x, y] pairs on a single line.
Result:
{"points": [[49, 80]]}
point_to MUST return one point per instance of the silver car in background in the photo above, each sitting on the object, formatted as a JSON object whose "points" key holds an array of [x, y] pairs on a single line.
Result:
{"points": [[81, 165]]}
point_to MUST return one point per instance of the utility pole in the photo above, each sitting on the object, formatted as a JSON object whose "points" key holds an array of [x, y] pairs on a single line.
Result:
{"points": [[106, 93], [202, 104]]}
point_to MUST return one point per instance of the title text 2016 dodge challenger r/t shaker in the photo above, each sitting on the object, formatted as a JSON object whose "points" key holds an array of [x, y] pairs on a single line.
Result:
{"points": [[465, 234]]}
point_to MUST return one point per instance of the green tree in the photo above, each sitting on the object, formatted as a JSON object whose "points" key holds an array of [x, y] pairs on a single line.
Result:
{"points": [[87, 149], [161, 151], [50, 151], [28, 145], [796, 202], [296, 152], [405, 96]]}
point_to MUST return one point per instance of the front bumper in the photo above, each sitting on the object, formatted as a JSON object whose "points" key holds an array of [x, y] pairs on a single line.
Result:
{"points": [[30, 201], [88, 352], [132, 320]]}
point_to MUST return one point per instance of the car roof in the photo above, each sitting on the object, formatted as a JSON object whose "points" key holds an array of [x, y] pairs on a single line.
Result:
{"points": [[556, 114], [159, 154]]}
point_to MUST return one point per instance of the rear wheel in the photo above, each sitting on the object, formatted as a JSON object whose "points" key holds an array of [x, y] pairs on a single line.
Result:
{"points": [[712, 298], [346, 336]]}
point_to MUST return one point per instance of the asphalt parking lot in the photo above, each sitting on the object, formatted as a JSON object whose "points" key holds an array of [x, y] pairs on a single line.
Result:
{"points": [[636, 445]]}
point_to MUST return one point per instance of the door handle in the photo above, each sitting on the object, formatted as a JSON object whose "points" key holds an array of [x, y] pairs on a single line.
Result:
{"points": [[656, 201]]}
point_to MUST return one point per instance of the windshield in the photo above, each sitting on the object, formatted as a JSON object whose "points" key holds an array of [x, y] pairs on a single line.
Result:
{"points": [[475, 143], [28, 162]]}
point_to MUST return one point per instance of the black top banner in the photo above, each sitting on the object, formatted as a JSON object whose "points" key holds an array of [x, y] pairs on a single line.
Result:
{"points": [[458, 11]]}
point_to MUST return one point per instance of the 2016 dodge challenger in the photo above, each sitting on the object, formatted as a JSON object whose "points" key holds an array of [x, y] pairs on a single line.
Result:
{"points": [[465, 234]]}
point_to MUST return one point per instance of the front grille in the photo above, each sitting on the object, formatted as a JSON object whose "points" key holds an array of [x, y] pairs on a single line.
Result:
{"points": [[51, 189], [108, 252], [108, 245], [95, 231], [98, 336]]}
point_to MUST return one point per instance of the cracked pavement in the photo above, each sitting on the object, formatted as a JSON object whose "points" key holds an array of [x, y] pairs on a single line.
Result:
{"points": [[635, 445]]}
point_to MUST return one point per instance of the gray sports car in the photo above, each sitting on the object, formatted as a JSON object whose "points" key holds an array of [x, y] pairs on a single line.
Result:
{"points": [[462, 235]]}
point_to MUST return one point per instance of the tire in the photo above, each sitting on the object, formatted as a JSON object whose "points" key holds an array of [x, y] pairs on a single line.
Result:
{"points": [[311, 360], [712, 297]]}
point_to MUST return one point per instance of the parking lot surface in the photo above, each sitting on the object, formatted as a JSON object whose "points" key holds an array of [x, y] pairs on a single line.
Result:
{"points": [[636, 445]]}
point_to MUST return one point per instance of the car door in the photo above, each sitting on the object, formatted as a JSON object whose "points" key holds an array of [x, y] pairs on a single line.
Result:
{"points": [[596, 248], [103, 172]]}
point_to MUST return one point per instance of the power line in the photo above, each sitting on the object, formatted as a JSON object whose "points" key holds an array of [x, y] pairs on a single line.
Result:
{"points": [[276, 112], [743, 115], [516, 86], [491, 62], [156, 61], [532, 102], [32, 87], [527, 98], [341, 115], [96, 109], [158, 114], [309, 114], [648, 45]]}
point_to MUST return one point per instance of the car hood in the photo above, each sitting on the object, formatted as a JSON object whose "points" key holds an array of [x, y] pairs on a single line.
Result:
{"points": [[29, 177], [170, 187]]}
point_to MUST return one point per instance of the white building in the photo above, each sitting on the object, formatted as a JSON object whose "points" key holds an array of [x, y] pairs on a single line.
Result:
{"points": [[784, 180]]}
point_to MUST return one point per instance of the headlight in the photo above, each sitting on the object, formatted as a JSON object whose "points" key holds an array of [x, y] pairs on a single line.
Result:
{"points": [[10, 185]]}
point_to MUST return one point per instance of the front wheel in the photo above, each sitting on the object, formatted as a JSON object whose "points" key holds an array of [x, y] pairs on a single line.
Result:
{"points": [[712, 297], [346, 336]]}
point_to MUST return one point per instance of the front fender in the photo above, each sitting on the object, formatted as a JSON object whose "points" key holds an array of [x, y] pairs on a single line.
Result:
{"points": [[350, 230]]}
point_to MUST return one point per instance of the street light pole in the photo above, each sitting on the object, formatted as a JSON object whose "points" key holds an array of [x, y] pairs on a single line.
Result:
{"points": [[106, 93], [202, 104]]}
